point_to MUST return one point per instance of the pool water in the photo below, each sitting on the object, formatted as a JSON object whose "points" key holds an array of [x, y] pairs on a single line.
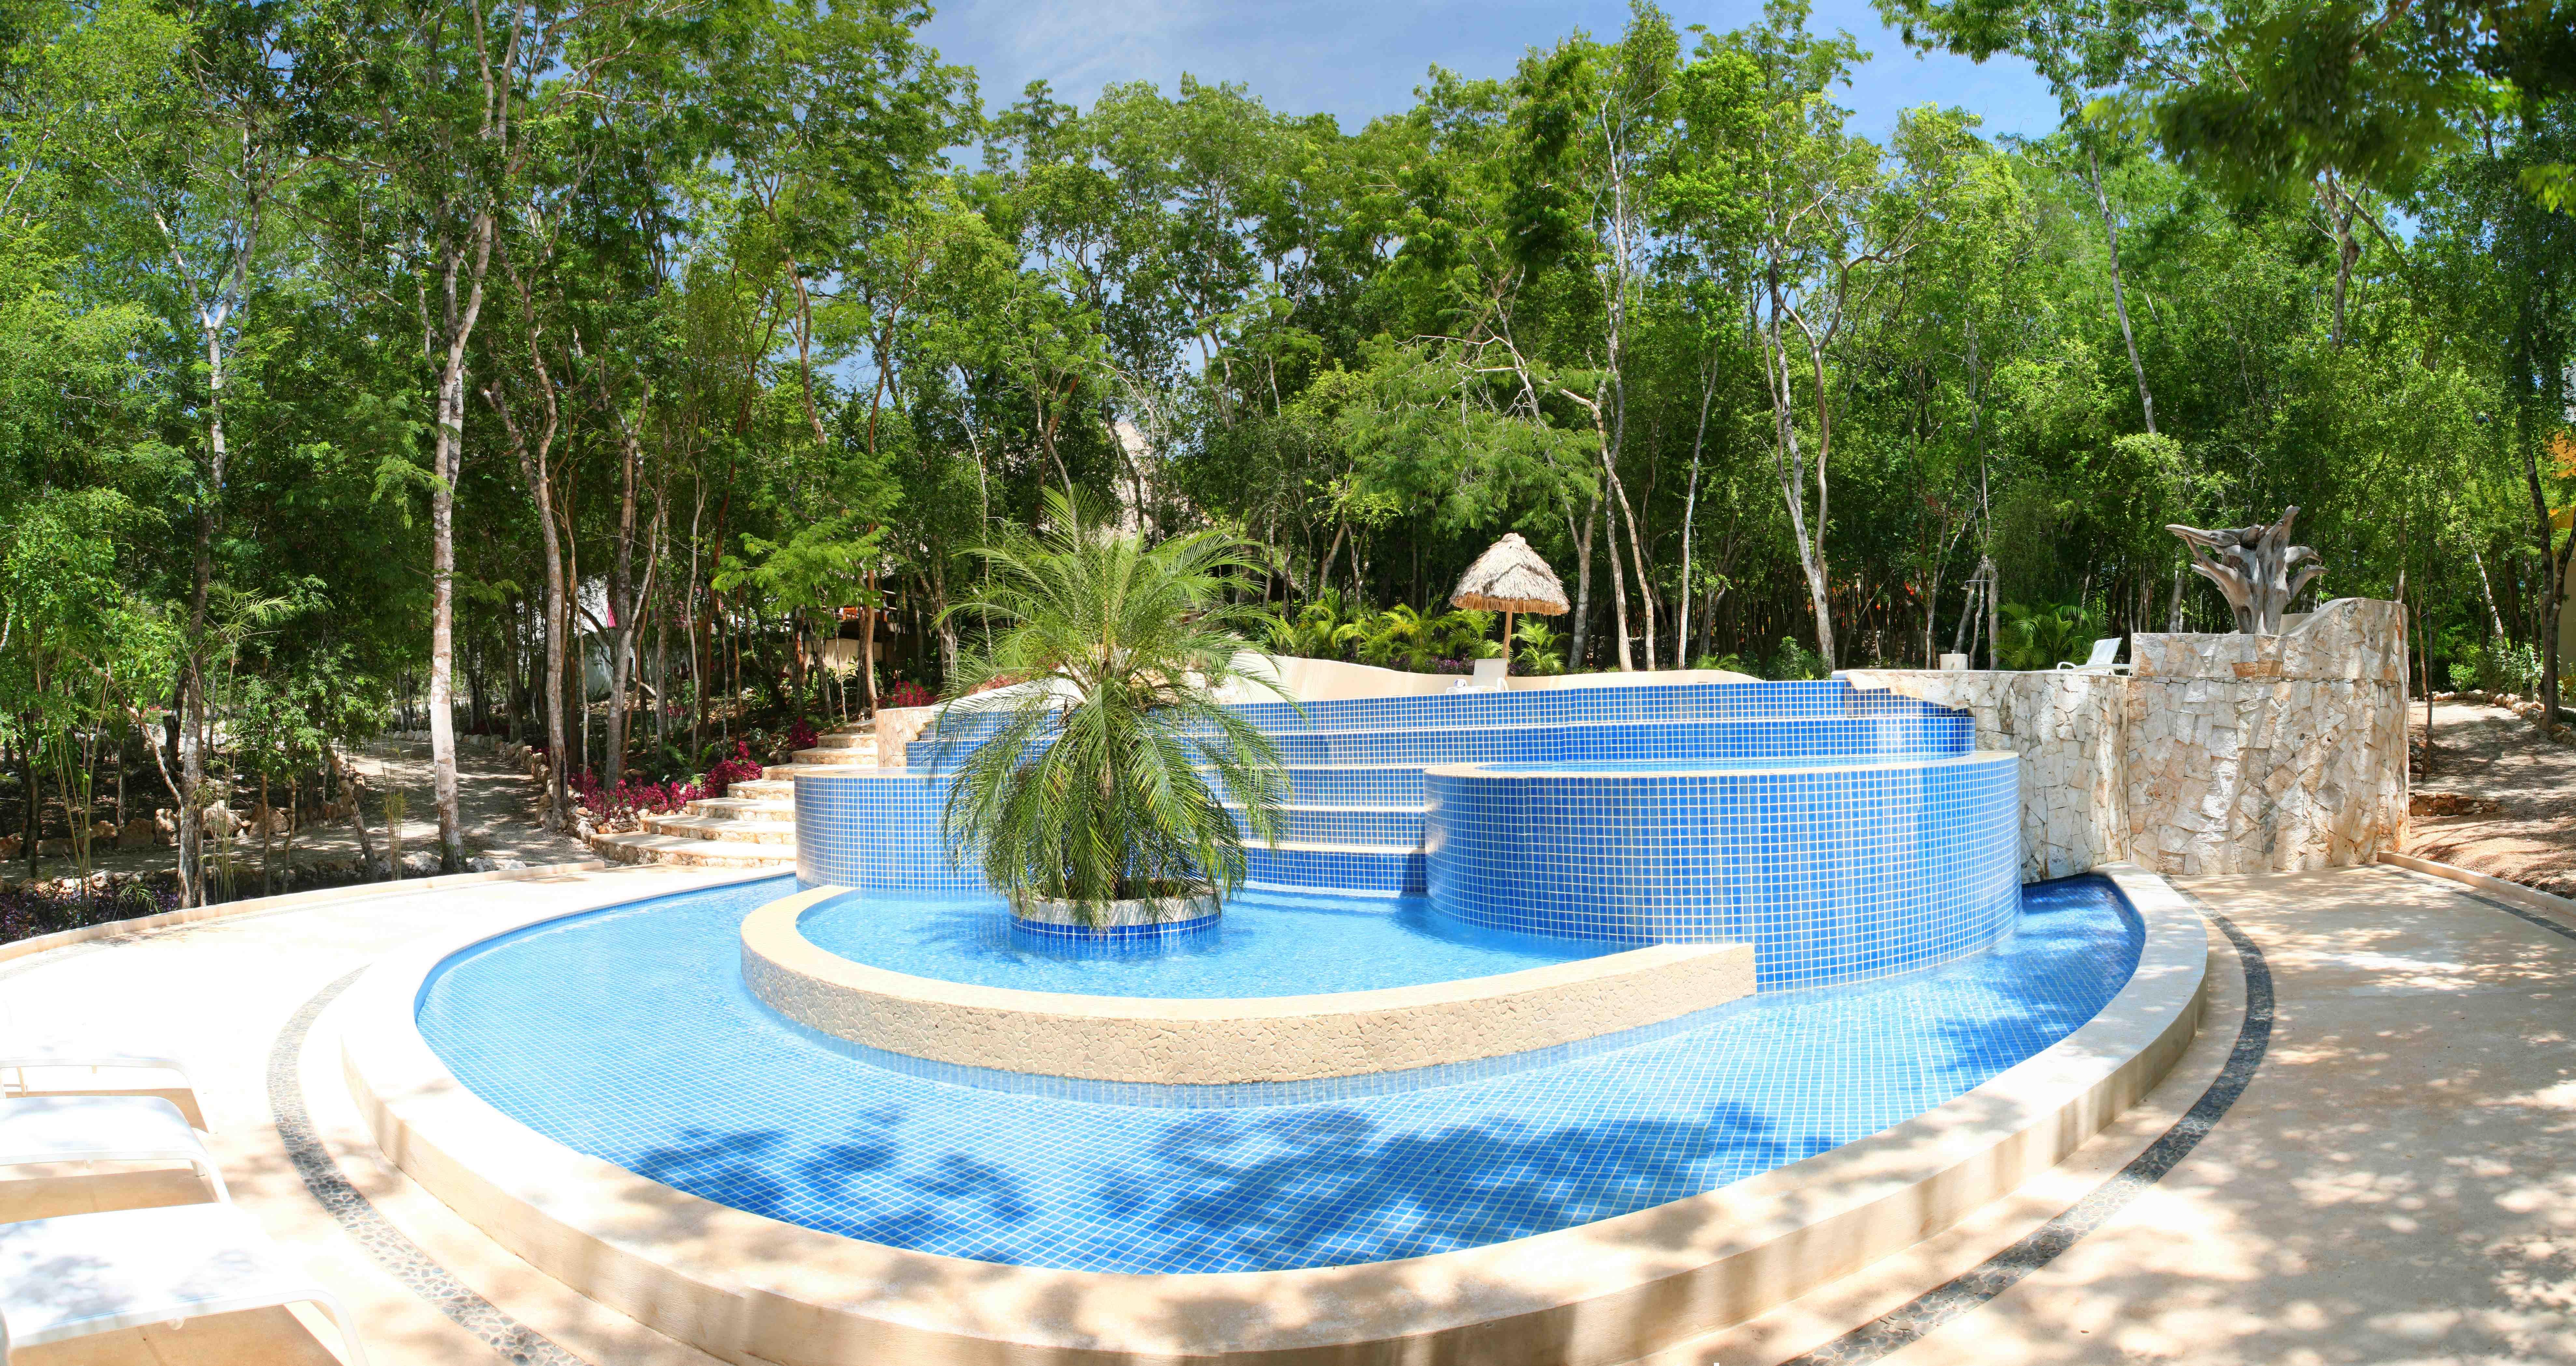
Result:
{"points": [[627, 1034], [1267, 943]]}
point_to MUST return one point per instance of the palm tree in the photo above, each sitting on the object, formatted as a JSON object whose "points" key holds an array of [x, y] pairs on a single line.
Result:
{"points": [[1086, 780]]}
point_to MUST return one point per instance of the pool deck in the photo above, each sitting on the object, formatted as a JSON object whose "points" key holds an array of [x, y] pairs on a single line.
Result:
{"points": [[2396, 1181]]}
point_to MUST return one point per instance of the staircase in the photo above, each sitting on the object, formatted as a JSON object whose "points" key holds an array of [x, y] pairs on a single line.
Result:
{"points": [[1357, 798], [753, 825]]}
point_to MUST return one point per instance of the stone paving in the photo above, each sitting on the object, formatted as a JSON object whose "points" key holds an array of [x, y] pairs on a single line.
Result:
{"points": [[2391, 1185]]}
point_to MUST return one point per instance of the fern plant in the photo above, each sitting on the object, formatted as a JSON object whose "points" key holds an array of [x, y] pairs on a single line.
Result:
{"points": [[1088, 779]]}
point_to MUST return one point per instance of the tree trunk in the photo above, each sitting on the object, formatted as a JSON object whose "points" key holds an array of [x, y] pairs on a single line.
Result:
{"points": [[1791, 464], [1690, 506], [2119, 294], [447, 459], [1576, 652]]}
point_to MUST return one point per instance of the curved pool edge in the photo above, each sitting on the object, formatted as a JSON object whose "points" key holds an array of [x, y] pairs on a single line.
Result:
{"points": [[744, 1286], [1217, 1041]]}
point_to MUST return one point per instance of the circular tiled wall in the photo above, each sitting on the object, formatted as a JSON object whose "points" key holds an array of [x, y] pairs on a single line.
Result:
{"points": [[1834, 873]]}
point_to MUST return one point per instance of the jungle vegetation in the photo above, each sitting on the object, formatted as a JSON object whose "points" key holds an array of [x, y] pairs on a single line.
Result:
{"points": [[585, 371]]}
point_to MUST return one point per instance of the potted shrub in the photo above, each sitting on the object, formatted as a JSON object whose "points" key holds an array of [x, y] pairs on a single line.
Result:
{"points": [[1093, 787]]}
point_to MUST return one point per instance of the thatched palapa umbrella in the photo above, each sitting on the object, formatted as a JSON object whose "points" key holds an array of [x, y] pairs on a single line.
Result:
{"points": [[1510, 578]]}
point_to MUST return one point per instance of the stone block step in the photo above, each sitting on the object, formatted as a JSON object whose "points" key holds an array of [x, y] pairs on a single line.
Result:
{"points": [[653, 848], [723, 831], [748, 809], [824, 757], [764, 790], [785, 772], [846, 739]]}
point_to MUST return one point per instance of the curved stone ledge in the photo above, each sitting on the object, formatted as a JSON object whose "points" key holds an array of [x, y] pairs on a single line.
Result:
{"points": [[1226, 1042], [752, 1289]]}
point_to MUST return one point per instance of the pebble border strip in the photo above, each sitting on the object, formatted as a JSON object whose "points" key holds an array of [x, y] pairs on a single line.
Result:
{"points": [[358, 1217], [1971, 1289]]}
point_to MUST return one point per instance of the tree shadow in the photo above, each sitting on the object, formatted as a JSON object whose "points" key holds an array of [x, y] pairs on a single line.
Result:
{"points": [[1327, 1186]]}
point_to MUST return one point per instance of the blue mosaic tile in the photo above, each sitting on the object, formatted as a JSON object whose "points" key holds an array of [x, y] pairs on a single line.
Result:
{"points": [[1892, 861], [627, 1034], [1832, 873]]}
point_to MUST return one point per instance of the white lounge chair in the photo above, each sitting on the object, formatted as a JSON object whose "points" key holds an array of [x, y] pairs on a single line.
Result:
{"points": [[45, 1129], [16, 1057], [96, 1273], [2104, 651]]}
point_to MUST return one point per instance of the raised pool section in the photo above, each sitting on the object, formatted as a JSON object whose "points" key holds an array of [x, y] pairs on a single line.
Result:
{"points": [[1844, 834], [1835, 870]]}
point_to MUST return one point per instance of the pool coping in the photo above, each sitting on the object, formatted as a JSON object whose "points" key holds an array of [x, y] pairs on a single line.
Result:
{"points": [[1857, 763], [1227, 1041], [752, 1289]]}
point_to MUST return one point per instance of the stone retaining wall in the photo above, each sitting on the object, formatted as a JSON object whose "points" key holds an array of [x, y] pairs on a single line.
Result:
{"points": [[2219, 753]]}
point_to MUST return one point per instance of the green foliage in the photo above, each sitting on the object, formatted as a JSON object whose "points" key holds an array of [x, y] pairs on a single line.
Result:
{"points": [[1538, 648], [1093, 750], [2498, 667], [2042, 636], [1795, 661]]}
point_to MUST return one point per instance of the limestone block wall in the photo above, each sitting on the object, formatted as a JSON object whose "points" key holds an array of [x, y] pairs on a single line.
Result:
{"points": [[2068, 729], [2218, 754]]}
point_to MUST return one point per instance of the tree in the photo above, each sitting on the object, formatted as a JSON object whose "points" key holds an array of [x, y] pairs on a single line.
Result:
{"points": [[1088, 780]]}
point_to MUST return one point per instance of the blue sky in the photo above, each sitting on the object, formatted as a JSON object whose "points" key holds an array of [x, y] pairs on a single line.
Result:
{"points": [[1356, 59]]}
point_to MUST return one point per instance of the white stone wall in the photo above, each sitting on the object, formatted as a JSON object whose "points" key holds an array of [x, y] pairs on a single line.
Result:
{"points": [[2069, 729], [2219, 754]]}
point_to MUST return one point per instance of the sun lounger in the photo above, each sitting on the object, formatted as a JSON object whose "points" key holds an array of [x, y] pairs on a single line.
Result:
{"points": [[17, 1057], [2104, 651], [44, 1129], [84, 1274]]}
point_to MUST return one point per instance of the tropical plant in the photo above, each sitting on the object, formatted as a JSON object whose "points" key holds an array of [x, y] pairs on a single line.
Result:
{"points": [[2043, 636], [1316, 631], [1088, 780], [1542, 648], [1796, 662]]}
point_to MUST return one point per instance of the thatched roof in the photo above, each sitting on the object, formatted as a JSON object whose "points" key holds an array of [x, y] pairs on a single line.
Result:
{"points": [[1510, 577]]}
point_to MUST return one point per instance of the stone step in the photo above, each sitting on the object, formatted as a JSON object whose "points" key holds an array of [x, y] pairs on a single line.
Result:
{"points": [[765, 789], [750, 809], [846, 739], [652, 848], [723, 831], [823, 757], [785, 772]]}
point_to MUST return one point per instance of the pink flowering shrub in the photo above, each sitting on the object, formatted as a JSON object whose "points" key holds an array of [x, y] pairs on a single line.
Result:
{"points": [[741, 768], [623, 800]]}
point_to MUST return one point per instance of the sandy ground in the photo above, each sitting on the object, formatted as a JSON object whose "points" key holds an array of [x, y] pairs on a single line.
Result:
{"points": [[2521, 791], [496, 802]]}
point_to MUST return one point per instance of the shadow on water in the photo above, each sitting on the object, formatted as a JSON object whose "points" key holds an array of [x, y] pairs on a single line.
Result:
{"points": [[1228, 1190], [2053, 976], [1325, 1186]]}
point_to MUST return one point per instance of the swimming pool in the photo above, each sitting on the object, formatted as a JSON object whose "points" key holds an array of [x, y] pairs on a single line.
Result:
{"points": [[628, 1034], [1267, 943]]}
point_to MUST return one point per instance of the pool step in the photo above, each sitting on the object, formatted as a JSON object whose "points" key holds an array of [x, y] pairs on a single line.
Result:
{"points": [[1366, 869], [1396, 827]]}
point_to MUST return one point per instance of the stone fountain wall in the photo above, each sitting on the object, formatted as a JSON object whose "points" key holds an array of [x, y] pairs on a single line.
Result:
{"points": [[2218, 754]]}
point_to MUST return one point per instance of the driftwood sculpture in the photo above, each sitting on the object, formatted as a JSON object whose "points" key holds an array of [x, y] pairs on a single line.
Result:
{"points": [[2252, 565]]}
